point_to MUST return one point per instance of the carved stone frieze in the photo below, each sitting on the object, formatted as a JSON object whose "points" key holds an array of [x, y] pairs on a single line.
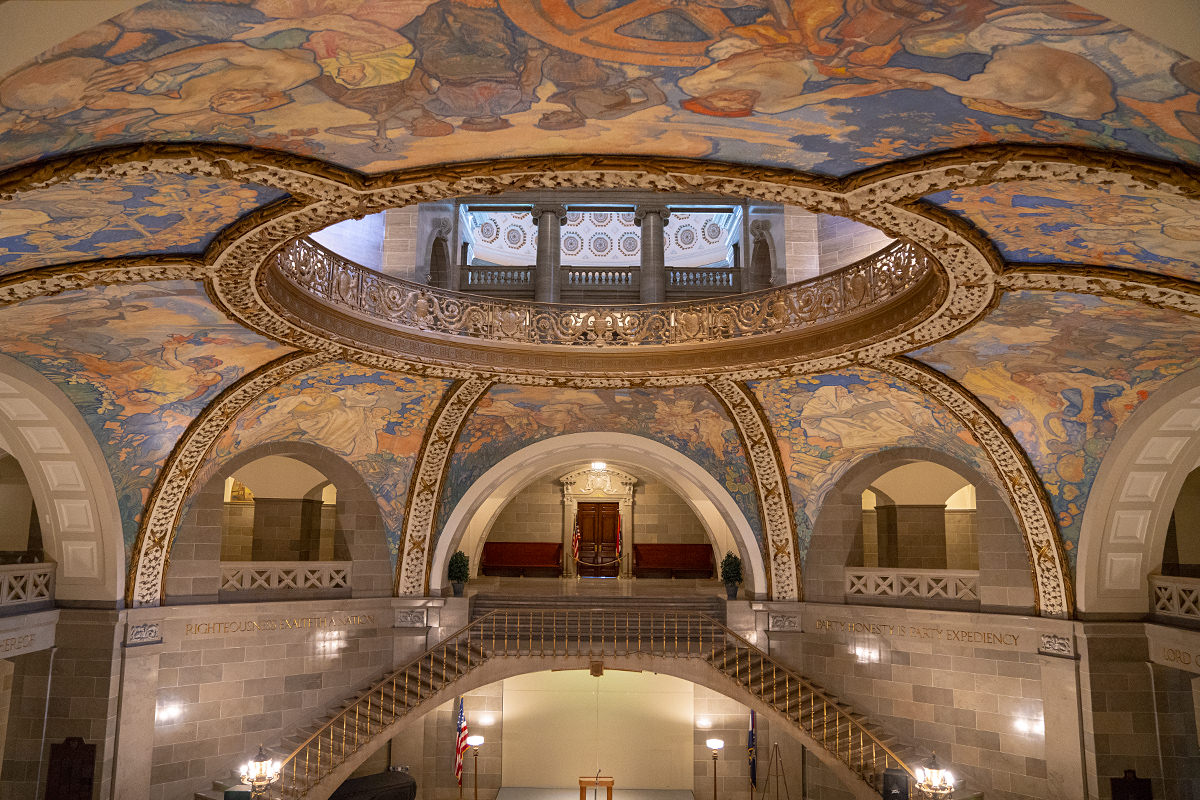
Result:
{"points": [[55, 280], [412, 567], [789, 623], [1053, 595], [770, 482], [151, 551], [607, 481], [1152, 290], [411, 618], [145, 633], [1054, 645]]}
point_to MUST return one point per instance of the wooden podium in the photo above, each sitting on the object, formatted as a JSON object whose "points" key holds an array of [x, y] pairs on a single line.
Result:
{"points": [[588, 781]]}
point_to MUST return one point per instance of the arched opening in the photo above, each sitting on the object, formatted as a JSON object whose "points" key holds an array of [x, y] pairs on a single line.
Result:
{"points": [[58, 502], [1123, 541], [630, 523], [1181, 551], [919, 515], [20, 530], [726, 526], [282, 521], [280, 509], [915, 527]]}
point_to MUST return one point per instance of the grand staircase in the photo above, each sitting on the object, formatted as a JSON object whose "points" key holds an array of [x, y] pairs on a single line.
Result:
{"points": [[579, 631]]}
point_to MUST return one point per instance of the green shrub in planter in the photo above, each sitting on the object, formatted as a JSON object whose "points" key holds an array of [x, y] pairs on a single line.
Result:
{"points": [[731, 569], [459, 568]]}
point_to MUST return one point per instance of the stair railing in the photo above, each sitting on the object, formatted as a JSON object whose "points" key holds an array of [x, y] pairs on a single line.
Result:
{"points": [[596, 632]]}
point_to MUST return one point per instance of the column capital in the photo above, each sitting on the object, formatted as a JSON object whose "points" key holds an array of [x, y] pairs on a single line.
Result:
{"points": [[641, 211], [556, 209]]}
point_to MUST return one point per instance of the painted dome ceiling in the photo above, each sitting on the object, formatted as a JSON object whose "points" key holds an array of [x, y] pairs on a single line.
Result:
{"points": [[154, 167]]}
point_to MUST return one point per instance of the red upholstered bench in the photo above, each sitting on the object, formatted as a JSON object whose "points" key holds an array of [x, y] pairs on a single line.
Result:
{"points": [[673, 561], [525, 559]]}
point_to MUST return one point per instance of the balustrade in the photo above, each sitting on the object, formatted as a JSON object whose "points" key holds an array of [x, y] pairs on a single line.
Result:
{"points": [[1176, 597], [847, 293], [921, 584], [240, 576], [23, 584]]}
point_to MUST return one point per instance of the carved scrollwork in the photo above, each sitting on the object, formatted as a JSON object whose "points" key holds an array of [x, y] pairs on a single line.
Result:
{"points": [[400, 304]]}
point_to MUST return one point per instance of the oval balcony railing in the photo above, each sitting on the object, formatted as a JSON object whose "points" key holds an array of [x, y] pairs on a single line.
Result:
{"points": [[797, 308]]}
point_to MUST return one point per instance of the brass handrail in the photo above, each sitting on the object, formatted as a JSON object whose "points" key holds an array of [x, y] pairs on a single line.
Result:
{"points": [[539, 632]]}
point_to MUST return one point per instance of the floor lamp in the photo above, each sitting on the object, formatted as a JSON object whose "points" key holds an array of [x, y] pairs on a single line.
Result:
{"points": [[716, 745], [474, 742]]}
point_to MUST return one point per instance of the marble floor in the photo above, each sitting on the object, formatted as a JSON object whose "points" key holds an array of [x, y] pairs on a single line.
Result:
{"points": [[600, 587], [528, 793]]}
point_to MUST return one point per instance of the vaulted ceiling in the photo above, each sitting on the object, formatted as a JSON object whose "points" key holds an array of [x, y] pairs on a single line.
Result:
{"points": [[1058, 145]]}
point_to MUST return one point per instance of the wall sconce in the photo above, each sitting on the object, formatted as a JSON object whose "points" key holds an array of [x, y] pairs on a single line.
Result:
{"points": [[716, 745], [703, 723], [933, 780]]}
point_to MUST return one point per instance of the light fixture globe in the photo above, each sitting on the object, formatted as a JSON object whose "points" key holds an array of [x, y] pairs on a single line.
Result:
{"points": [[474, 741], [934, 780], [714, 744], [260, 772]]}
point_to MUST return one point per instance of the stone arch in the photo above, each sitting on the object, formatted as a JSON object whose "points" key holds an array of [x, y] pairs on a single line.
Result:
{"points": [[710, 501], [1125, 522], [194, 574], [70, 482], [1005, 574], [693, 670]]}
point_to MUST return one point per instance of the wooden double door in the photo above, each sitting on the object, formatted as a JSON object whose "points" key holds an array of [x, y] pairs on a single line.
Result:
{"points": [[599, 539]]}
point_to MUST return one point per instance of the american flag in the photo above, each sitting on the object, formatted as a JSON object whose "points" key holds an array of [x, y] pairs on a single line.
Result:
{"points": [[575, 540], [461, 746]]}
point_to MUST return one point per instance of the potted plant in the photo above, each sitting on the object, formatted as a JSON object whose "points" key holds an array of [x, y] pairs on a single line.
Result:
{"points": [[731, 574], [459, 571]]}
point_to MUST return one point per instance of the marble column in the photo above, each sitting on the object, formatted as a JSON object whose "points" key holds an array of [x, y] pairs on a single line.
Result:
{"points": [[549, 220], [654, 264]]}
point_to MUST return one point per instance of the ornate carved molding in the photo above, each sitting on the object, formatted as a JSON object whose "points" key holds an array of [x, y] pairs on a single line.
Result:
{"points": [[608, 481], [1053, 594], [151, 551], [412, 565], [851, 292], [84, 275], [1156, 291], [770, 482]]}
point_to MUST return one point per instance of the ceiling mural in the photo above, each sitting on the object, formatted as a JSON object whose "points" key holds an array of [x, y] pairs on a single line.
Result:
{"points": [[377, 86], [688, 419], [1063, 371], [373, 419], [139, 362], [148, 213], [824, 424], [1076, 223]]}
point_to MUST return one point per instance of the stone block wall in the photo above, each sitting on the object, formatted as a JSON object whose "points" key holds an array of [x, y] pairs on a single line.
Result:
{"points": [[801, 254], [978, 705], [841, 241], [356, 239], [535, 514], [962, 540], [237, 531], [84, 684], [400, 257]]}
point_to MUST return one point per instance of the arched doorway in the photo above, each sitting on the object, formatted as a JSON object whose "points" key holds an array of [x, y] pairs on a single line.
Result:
{"points": [[468, 523]]}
